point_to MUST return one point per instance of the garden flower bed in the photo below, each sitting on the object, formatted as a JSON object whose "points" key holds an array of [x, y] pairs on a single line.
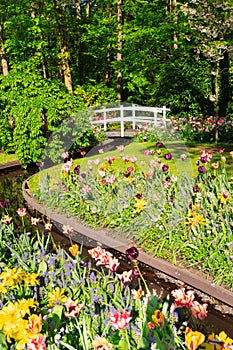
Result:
{"points": [[53, 298], [186, 220]]}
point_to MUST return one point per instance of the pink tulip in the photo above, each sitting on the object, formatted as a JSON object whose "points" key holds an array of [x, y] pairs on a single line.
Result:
{"points": [[119, 320]]}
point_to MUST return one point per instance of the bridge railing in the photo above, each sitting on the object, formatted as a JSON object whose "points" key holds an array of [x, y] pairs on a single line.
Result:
{"points": [[129, 114]]}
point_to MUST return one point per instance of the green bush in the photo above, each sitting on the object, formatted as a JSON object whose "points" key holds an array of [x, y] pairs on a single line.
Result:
{"points": [[32, 107]]}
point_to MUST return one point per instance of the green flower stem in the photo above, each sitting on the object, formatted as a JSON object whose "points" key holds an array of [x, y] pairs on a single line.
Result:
{"points": [[127, 339], [141, 276]]}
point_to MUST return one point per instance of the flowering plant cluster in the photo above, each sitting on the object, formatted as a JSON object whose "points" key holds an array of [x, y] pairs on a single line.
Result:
{"points": [[170, 216], [116, 190], [53, 298], [203, 128]]}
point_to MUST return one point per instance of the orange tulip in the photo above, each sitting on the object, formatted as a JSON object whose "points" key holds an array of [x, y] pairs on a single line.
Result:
{"points": [[158, 318], [74, 250]]}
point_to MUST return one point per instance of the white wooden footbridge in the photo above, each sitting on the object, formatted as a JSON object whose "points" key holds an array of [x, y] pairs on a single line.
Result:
{"points": [[133, 114]]}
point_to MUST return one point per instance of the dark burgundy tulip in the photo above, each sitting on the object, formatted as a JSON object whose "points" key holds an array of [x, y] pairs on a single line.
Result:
{"points": [[138, 196], [203, 159], [132, 253], [165, 167], [127, 174], [168, 156], [159, 144], [201, 169], [77, 169], [196, 189]]}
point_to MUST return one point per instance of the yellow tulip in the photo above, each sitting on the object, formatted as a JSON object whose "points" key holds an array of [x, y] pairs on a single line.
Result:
{"points": [[193, 338]]}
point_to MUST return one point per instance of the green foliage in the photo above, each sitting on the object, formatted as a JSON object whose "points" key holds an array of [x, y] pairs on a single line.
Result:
{"points": [[72, 134], [95, 95], [167, 59], [74, 300], [170, 216], [32, 108]]}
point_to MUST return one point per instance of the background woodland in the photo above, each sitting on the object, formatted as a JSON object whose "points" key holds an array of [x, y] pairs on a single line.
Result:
{"points": [[59, 57]]}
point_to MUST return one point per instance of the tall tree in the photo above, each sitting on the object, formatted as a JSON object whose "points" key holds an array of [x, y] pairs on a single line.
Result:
{"points": [[212, 23], [171, 12], [64, 54], [4, 62], [120, 46]]}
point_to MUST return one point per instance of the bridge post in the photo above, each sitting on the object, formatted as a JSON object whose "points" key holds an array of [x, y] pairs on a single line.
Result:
{"points": [[133, 116], [164, 115], [155, 116], [122, 120], [105, 123]]}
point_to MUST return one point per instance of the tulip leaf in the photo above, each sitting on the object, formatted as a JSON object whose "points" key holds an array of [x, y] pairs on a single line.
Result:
{"points": [[42, 266], [3, 344]]}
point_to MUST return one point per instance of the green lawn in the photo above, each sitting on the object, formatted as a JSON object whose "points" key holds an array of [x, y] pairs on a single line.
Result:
{"points": [[177, 166], [5, 158]]}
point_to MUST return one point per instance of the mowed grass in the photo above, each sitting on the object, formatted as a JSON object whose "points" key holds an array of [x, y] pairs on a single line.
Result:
{"points": [[5, 158], [176, 164]]}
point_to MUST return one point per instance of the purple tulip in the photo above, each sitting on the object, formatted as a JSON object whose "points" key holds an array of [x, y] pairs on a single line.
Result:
{"points": [[132, 253], [203, 159], [196, 189], [77, 169], [165, 167], [168, 156], [159, 144], [201, 169]]}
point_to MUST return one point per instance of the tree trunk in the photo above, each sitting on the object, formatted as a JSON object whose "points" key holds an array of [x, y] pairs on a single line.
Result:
{"points": [[174, 9], [4, 63], [65, 67], [108, 61], [88, 5], [171, 8], [78, 9], [120, 46], [64, 52]]}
